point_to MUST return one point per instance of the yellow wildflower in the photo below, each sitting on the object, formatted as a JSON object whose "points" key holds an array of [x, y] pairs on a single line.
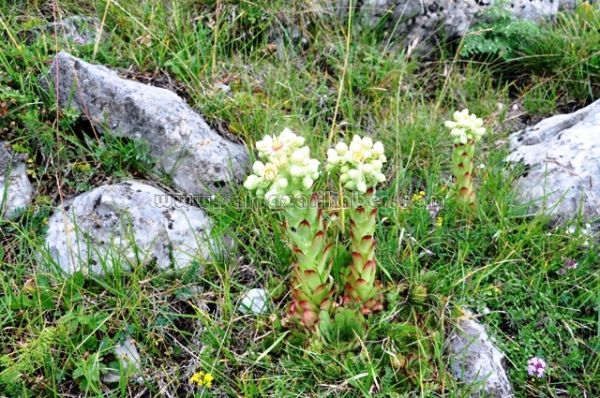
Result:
{"points": [[202, 379], [439, 221], [418, 197], [208, 378]]}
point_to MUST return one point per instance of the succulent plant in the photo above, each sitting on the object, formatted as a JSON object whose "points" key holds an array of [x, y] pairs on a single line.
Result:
{"points": [[359, 168], [343, 332], [284, 176], [362, 285], [312, 283], [467, 129]]}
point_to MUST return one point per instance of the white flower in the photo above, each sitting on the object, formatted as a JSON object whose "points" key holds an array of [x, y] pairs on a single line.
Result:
{"points": [[252, 182], [359, 164], [259, 168], [282, 183], [307, 182], [332, 156], [465, 127], [277, 148], [361, 186], [285, 170], [270, 172], [341, 148]]}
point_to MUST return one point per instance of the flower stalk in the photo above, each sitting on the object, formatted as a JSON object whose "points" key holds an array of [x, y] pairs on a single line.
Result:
{"points": [[284, 176], [359, 168], [466, 129], [312, 284]]}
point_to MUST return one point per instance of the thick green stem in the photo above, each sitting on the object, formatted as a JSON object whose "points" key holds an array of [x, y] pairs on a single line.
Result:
{"points": [[312, 284], [462, 167], [362, 288]]}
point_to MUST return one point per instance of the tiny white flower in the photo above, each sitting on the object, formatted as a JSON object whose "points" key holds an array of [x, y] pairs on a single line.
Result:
{"points": [[252, 182], [308, 182], [341, 148], [378, 148], [259, 168], [270, 172], [366, 168], [332, 156], [353, 173], [361, 186], [282, 183], [367, 142]]}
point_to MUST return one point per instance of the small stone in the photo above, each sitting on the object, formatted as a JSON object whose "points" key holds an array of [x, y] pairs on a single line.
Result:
{"points": [[476, 361], [223, 87], [130, 360], [16, 191], [254, 301]]}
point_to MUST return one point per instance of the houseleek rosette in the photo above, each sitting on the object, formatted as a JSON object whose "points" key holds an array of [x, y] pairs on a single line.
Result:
{"points": [[359, 168], [284, 176], [466, 130]]}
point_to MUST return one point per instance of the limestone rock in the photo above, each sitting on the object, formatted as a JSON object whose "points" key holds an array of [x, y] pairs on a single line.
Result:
{"points": [[420, 23], [198, 160], [16, 191], [127, 224], [562, 159], [476, 361], [76, 29]]}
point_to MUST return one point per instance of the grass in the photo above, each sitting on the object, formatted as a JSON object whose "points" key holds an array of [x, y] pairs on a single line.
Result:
{"points": [[57, 332]]}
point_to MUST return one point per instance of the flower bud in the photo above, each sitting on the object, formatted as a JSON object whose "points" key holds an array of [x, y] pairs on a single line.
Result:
{"points": [[258, 168], [307, 182]]}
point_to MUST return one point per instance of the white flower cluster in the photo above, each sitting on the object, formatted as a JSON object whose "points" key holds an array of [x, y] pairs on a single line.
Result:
{"points": [[285, 168], [359, 164], [465, 127]]}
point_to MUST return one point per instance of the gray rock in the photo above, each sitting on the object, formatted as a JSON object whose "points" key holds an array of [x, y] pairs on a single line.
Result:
{"points": [[255, 301], [129, 358], [198, 160], [476, 361], [562, 159], [75, 29], [16, 191], [419, 23], [128, 223]]}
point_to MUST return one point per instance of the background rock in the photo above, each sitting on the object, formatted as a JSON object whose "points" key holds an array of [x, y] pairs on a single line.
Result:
{"points": [[419, 23], [562, 159], [75, 29], [183, 145], [15, 189], [474, 359], [127, 223]]}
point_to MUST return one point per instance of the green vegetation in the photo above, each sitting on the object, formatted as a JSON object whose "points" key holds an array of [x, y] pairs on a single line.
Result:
{"points": [[551, 61], [57, 332]]}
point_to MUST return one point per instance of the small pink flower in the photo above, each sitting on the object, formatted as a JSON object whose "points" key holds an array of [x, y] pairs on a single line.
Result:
{"points": [[569, 265], [536, 367]]}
